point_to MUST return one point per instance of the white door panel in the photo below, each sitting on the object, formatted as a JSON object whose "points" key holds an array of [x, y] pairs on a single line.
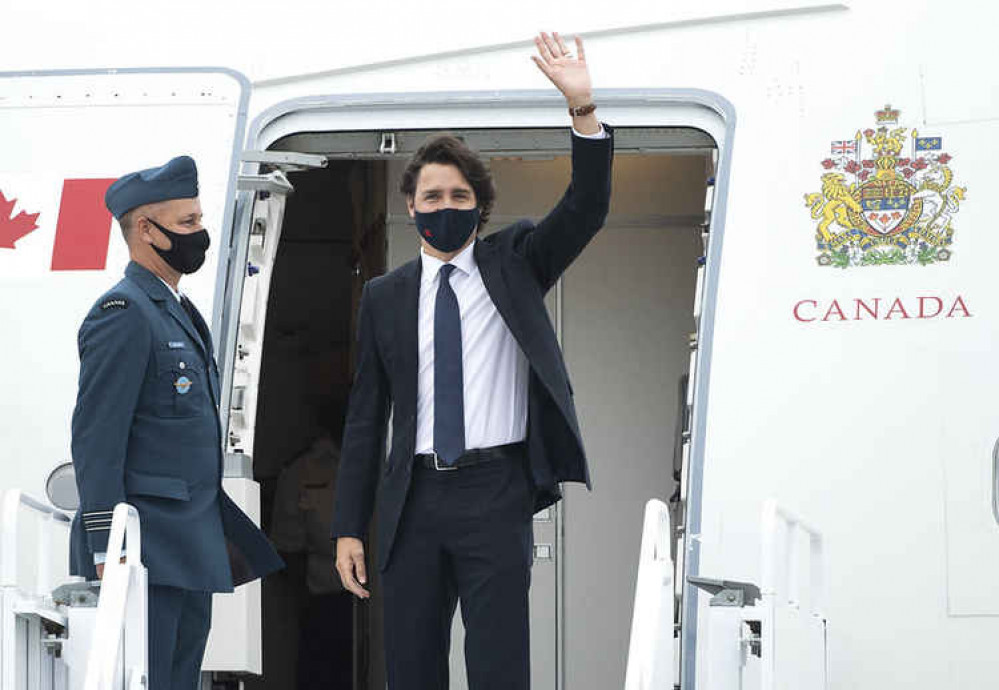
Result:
{"points": [[65, 137], [972, 530]]}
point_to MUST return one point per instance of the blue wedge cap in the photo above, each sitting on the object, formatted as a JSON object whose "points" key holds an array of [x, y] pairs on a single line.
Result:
{"points": [[178, 179]]}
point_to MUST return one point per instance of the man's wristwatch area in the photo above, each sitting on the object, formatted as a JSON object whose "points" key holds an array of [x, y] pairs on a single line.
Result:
{"points": [[580, 110]]}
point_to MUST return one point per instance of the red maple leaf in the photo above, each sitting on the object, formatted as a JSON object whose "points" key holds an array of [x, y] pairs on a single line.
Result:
{"points": [[13, 228]]}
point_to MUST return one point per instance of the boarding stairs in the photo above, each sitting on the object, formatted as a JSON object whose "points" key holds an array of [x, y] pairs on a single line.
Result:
{"points": [[766, 637], [58, 632]]}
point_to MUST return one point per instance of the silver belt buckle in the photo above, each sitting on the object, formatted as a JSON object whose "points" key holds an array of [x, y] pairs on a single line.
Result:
{"points": [[439, 467]]}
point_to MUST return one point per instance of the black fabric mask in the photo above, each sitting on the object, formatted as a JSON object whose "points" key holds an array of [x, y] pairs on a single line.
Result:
{"points": [[186, 252], [448, 229]]}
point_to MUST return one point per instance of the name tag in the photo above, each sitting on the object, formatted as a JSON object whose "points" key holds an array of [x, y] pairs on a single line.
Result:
{"points": [[176, 345]]}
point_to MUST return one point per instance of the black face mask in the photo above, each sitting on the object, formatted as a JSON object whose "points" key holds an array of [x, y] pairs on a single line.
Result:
{"points": [[186, 252], [448, 229]]}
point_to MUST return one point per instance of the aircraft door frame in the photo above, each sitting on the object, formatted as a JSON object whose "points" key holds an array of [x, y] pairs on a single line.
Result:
{"points": [[391, 112]]}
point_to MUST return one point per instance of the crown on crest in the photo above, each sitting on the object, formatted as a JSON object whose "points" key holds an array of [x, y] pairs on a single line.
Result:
{"points": [[887, 116]]}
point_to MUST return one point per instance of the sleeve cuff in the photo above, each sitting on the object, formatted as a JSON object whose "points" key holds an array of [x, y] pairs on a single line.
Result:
{"points": [[602, 134], [351, 535], [97, 541]]}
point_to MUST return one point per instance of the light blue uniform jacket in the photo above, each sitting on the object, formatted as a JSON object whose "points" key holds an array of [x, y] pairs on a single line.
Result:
{"points": [[146, 430]]}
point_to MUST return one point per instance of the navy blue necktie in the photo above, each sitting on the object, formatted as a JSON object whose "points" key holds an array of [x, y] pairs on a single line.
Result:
{"points": [[449, 389], [189, 308]]}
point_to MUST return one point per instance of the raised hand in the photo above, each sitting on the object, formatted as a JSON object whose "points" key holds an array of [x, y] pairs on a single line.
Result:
{"points": [[566, 71]]}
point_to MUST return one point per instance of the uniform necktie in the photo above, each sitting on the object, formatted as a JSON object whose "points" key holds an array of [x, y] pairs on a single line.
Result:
{"points": [[449, 389], [189, 308]]}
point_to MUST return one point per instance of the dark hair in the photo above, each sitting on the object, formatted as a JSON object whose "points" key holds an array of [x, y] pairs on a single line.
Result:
{"points": [[448, 149]]}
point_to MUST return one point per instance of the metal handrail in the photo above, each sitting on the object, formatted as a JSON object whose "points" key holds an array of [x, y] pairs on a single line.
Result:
{"points": [[782, 583], [995, 481], [650, 650], [116, 597], [773, 514]]}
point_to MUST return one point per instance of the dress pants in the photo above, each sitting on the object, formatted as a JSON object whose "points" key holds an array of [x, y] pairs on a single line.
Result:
{"points": [[179, 621], [465, 535]]}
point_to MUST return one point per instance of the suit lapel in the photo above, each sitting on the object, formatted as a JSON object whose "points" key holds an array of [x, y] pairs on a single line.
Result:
{"points": [[541, 352], [160, 293], [491, 270], [407, 312]]}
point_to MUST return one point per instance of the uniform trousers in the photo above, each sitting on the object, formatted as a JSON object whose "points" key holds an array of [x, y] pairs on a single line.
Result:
{"points": [[465, 535], [179, 621]]}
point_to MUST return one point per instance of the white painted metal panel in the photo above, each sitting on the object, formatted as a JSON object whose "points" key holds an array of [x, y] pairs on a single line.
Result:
{"points": [[880, 430], [264, 237], [234, 643], [32, 558], [972, 530], [89, 126]]}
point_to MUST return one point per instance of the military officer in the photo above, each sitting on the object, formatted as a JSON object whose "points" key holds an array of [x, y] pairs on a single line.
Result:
{"points": [[146, 427]]}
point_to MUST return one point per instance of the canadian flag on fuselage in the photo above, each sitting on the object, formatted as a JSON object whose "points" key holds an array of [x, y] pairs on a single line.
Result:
{"points": [[83, 228]]}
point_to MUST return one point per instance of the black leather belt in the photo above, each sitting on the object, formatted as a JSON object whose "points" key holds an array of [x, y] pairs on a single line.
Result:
{"points": [[475, 456]]}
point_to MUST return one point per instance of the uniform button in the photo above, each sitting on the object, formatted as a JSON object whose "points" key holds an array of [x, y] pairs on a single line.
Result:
{"points": [[183, 366]]}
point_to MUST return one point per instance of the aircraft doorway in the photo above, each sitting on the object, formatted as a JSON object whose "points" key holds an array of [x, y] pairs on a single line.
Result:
{"points": [[332, 239], [624, 314]]}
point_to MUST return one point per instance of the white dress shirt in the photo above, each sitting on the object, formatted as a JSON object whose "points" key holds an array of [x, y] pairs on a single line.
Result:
{"points": [[600, 134], [494, 368]]}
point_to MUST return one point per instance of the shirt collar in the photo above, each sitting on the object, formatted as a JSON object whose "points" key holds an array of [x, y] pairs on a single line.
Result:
{"points": [[175, 293], [464, 262]]}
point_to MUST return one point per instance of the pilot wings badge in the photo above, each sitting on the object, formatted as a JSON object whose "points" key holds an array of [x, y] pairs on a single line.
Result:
{"points": [[888, 198]]}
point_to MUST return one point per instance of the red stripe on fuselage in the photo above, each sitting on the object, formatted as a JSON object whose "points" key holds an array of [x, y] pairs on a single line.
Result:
{"points": [[84, 227]]}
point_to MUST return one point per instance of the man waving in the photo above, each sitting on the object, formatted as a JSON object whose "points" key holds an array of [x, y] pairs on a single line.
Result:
{"points": [[458, 344]]}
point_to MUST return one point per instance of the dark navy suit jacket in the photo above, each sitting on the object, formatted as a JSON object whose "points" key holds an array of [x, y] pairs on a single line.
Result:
{"points": [[146, 431], [519, 265]]}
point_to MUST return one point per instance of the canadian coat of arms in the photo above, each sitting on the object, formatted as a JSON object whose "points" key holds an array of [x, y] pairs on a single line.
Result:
{"points": [[888, 198]]}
